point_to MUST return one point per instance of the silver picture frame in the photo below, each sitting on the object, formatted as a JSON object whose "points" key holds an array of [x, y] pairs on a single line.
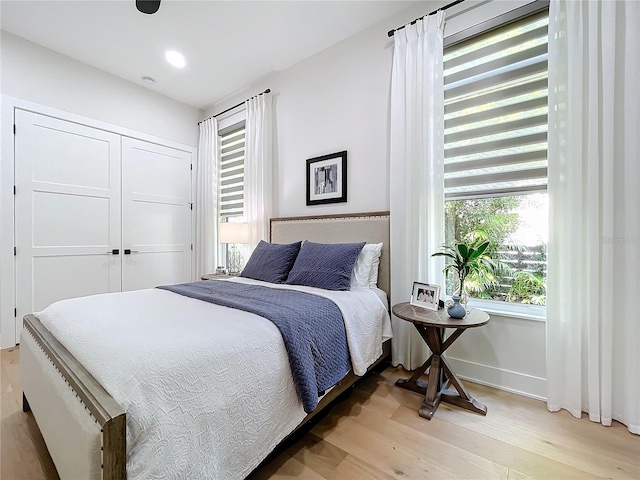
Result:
{"points": [[425, 295]]}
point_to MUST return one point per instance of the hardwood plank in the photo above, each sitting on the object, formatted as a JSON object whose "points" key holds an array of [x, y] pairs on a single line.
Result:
{"points": [[377, 384], [10, 355], [292, 468], [528, 424], [501, 452], [555, 441], [450, 456], [381, 405], [515, 475], [8, 397], [322, 457], [269, 469], [355, 469], [562, 425], [377, 434], [376, 449], [11, 371]]}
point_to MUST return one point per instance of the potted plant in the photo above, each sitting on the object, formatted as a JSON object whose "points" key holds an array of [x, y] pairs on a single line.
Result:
{"points": [[462, 260]]}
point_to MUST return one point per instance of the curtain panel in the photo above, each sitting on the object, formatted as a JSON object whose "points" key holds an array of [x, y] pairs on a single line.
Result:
{"points": [[258, 169], [207, 165], [593, 327], [417, 173]]}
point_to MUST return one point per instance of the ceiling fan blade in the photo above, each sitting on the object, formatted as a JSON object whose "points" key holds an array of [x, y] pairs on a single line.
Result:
{"points": [[148, 6]]}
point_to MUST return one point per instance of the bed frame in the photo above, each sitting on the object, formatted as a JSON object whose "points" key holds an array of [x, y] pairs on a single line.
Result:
{"points": [[84, 428]]}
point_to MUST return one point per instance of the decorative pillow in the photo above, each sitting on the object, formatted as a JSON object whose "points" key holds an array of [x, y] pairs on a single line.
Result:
{"points": [[362, 274], [271, 262], [325, 265]]}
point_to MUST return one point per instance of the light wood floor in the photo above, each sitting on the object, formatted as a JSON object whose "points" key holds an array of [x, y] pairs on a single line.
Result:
{"points": [[377, 434]]}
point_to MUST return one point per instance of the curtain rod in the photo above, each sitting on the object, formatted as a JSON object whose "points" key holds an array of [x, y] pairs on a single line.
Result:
{"points": [[449, 5], [268, 90]]}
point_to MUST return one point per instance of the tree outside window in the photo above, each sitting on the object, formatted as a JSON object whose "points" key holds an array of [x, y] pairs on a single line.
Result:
{"points": [[516, 226]]}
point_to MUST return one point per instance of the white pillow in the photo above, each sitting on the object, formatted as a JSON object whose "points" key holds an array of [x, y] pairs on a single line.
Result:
{"points": [[365, 271], [375, 265]]}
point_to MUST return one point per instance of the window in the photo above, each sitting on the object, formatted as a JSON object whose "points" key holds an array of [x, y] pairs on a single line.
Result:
{"points": [[231, 184], [232, 172], [496, 154]]}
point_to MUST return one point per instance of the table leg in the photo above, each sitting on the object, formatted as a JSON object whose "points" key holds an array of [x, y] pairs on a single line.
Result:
{"points": [[413, 383], [432, 397], [441, 376], [462, 399]]}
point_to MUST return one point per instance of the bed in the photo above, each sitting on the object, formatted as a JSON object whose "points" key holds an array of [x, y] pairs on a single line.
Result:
{"points": [[162, 426]]}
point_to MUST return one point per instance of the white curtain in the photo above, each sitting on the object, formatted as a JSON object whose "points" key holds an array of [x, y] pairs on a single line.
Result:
{"points": [[593, 323], [416, 173], [206, 205], [258, 182]]}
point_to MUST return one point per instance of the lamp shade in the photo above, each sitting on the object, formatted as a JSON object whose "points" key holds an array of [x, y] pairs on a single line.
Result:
{"points": [[234, 232]]}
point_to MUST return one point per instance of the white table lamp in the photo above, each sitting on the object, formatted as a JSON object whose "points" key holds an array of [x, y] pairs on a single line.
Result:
{"points": [[234, 234]]}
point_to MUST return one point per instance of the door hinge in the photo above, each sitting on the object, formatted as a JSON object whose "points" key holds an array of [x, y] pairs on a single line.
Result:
{"points": [[14, 128], [192, 247], [191, 206], [191, 166], [15, 313], [14, 189], [15, 251]]}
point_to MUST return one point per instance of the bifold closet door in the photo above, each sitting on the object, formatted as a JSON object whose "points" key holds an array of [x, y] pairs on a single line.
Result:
{"points": [[156, 215], [67, 212]]}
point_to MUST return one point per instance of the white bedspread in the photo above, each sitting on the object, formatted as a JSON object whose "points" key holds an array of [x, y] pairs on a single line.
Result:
{"points": [[208, 390]]}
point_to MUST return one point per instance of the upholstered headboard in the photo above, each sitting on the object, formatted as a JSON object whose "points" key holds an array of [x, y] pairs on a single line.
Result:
{"points": [[353, 227]]}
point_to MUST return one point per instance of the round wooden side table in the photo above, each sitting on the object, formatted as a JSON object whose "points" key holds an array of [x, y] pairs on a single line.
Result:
{"points": [[432, 325]]}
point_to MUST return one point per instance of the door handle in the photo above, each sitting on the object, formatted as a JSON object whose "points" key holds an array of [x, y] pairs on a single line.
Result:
{"points": [[115, 251], [129, 252]]}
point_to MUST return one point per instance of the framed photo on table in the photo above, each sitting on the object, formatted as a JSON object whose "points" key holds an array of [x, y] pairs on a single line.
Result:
{"points": [[425, 295], [327, 179]]}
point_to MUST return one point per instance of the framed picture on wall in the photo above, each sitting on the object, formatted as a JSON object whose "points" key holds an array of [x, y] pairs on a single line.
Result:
{"points": [[425, 295], [327, 179]]}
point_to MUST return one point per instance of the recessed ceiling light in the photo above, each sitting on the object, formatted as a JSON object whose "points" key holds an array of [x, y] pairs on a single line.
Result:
{"points": [[175, 58], [148, 80]]}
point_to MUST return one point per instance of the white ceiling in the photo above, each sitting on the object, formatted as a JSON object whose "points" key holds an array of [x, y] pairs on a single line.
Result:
{"points": [[227, 44]]}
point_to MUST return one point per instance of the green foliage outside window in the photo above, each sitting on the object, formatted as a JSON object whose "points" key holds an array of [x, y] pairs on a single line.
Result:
{"points": [[520, 275]]}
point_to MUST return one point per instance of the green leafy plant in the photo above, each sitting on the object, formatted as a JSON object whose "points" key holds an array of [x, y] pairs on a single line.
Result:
{"points": [[464, 259], [528, 287]]}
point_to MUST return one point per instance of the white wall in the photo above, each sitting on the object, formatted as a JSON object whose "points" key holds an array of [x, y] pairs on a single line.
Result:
{"points": [[507, 353], [339, 100], [336, 100], [39, 75], [39, 79]]}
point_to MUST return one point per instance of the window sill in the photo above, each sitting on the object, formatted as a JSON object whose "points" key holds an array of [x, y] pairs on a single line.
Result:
{"points": [[523, 312]]}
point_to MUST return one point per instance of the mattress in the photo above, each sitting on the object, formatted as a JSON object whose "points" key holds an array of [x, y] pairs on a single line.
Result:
{"points": [[208, 390]]}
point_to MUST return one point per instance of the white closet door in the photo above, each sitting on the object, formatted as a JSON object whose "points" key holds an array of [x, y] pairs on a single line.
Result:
{"points": [[156, 215], [67, 212]]}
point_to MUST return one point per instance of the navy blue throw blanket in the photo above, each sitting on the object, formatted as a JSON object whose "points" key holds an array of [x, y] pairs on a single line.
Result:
{"points": [[312, 328]]}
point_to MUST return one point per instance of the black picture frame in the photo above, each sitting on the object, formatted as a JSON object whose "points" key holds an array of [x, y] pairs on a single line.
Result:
{"points": [[327, 179]]}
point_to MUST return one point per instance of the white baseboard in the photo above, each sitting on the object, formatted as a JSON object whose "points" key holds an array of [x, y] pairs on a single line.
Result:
{"points": [[514, 382]]}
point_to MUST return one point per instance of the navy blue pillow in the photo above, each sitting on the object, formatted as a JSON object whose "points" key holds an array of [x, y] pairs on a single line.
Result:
{"points": [[325, 265], [271, 262]]}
